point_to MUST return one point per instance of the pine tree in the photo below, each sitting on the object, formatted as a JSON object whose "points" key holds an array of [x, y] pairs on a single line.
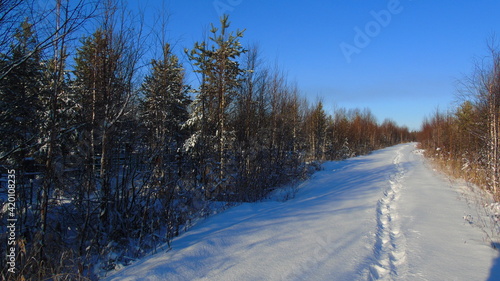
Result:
{"points": [[21, 92], [212, 139], [165, 104], [164, 112], [20, 98]]}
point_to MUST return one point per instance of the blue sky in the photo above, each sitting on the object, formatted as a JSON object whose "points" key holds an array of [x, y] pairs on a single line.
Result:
{"points": [[404, 57]]}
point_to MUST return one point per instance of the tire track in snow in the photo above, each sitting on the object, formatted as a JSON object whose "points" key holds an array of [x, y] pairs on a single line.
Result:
{"points": [[390, 243]]}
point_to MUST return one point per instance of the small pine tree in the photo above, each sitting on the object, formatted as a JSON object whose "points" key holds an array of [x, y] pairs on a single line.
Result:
{"points": [[164, 112], [211, 142], [165, 104]]}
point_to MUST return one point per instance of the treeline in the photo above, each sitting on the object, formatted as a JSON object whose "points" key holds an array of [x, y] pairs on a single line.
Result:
{"points": [[109, 166], [467, 140]]}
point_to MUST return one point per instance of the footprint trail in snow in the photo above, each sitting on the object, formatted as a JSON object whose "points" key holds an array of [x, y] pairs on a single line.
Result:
{"points": [[390, 244], [382, 216]]}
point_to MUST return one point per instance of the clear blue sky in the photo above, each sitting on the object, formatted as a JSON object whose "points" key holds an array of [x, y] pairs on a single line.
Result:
{"points": [[404, 66]]}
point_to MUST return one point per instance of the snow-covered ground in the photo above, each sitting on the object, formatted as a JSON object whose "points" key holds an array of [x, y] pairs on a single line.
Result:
{"points": [[384, 216]]}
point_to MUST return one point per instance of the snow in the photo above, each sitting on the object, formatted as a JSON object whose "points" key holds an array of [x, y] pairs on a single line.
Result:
{"points": [[385, 216]]}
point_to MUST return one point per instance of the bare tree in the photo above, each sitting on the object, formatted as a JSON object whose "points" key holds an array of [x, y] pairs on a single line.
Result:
{"points": [[488, 99], [13, 11]]}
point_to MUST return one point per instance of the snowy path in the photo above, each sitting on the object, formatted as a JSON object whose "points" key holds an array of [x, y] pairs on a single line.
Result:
{"points": [[390, 245], [385, 216]]}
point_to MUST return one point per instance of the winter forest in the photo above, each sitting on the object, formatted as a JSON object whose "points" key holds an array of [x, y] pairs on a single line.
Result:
{"points": [[115, 153], [465, 141], [110, 164]]}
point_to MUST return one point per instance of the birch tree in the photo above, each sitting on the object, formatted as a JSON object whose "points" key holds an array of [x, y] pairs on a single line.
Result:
{"points": [[488, 98]]}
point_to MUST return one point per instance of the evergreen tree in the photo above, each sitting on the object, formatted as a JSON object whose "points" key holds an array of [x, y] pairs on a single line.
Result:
{"points": [[164, 112], [21, 119], [165, 105], [20, 98], [211, 142]]}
